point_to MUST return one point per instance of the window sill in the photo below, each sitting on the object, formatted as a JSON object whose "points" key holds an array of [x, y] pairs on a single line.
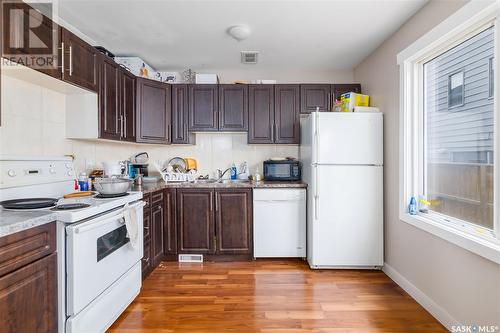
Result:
{"points": [[489, 249]]}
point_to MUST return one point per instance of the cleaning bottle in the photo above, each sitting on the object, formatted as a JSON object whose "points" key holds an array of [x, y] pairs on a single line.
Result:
{"points": [[234, 172], [412, 208]]}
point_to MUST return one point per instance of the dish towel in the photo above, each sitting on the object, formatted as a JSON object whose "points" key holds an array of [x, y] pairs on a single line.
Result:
{"points": [[130, 217]]}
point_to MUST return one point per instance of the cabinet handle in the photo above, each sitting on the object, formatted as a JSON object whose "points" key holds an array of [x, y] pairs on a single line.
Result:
{"points": [[211, 202], [70, 60], [329, 102], [186, 130], [216, 202], [272, 132], [215, 243], [121, 126], [124, 131], [62, 57]]}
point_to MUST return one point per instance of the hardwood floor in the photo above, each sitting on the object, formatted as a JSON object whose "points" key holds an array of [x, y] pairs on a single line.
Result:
{"points": [[271, 296]]}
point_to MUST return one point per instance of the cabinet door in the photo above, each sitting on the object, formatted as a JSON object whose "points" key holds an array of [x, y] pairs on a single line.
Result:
{"points": [[287, 116], [233, 107], [233, 221], [180, 114], [339, 89], [203, 102], [153, 111], [80, 62], [169, 227], [111, 120], [128, 105], [36, 48], [313, 96], [261, 113], [195, 221], [28, 298], [157, 232]]}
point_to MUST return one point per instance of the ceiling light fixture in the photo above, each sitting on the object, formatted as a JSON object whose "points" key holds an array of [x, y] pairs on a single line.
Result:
{"points": [[239, 32]]}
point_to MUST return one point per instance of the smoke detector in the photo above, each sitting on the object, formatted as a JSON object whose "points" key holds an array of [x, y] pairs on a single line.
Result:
{"points": [[239, 32], [249, 57]]}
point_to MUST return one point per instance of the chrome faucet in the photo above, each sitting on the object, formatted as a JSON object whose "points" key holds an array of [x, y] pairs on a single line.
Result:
{"points": [[220, 174]]}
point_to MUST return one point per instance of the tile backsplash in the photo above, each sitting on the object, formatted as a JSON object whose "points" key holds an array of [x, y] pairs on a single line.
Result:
{"points": [[33, 123]]}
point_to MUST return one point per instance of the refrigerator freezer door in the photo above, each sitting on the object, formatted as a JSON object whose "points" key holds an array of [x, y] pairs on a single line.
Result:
{"points": [[348, 138], [347, 217]]}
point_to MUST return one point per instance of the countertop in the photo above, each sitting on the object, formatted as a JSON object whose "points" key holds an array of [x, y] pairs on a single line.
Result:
{"points": [[15, 221], [152, 187]]}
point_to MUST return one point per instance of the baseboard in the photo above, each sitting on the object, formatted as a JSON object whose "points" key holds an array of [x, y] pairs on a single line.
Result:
{"points": [[434, 309]]}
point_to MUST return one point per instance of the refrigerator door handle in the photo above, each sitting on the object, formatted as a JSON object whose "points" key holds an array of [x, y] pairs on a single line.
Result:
{"points": [[316, 192], [316, 137]]}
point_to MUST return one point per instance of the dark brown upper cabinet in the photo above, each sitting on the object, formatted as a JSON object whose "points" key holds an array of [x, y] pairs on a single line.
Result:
{"points": [[128, 92], [80, 65], [203, 106], [153, 111], [180, 115], [287, 113], [116, 102], [313, 96], [233, 107], [261, 113], [111, 119], [233, 221], [339, 89], [195, 221]]}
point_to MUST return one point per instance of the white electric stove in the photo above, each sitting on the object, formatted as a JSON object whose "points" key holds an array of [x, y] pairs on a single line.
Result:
{"points": [[99, 269]]}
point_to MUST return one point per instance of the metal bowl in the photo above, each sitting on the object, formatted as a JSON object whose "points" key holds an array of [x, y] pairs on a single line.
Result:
{"points": [[109, 186]]}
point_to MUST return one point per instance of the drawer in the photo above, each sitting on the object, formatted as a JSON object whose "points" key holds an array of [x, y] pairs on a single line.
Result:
{"points": [[157, 197], [26, 246]]}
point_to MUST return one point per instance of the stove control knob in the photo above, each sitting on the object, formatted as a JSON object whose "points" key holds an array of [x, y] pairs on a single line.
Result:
{"points": [[11, 173], [52, 171]]}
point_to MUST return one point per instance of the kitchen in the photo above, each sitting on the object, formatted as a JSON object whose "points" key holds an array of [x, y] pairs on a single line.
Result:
{"points": [[250, 201]]}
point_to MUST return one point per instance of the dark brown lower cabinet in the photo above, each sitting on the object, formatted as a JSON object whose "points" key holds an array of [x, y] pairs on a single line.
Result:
{"points": [[157, 220], [215, 221], [195, 221], [169, 223], [233, 221], [28, 294]]}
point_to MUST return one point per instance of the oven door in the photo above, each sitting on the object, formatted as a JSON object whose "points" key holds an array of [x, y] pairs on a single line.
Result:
{"points": [[98, 254]]}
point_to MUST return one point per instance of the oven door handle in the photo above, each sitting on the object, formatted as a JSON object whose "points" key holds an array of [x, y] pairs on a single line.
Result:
{"points": [[105, 221]]}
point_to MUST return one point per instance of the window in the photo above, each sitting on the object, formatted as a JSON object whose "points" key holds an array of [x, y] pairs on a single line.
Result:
{"points": [[450, 128], [458, 176], [491, 83], [456, 89]]}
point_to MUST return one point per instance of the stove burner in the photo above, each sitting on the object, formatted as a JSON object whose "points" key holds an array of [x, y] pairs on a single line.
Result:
{"points": [[109, 196], [29, 203], [71, 206]]}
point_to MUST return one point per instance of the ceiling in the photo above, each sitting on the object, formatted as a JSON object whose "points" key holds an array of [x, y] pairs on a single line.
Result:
{"points": [[175, 34]]}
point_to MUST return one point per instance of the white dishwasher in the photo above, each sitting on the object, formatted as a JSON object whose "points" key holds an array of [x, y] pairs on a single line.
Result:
{"points": [[279, 222]]}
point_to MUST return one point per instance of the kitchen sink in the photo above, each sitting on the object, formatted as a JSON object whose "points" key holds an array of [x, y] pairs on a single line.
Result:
{"points": [[235, 181], [206, 181]]}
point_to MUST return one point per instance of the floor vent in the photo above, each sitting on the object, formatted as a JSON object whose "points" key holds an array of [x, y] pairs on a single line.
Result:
{"points": [[190, 257]]}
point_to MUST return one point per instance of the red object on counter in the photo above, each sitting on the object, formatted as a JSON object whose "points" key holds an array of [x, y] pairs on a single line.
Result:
{"points": [[76, 185]]}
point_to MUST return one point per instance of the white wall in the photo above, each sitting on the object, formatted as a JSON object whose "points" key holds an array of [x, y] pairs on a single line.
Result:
{"points": [[33, 123], [464, 287]]}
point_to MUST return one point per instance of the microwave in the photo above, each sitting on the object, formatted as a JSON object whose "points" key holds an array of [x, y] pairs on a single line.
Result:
{"points": [[289, 169]]}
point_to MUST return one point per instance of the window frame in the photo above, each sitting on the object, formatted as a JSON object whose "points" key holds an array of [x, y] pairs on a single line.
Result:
{"points": [[457, 28], [460, 71]]}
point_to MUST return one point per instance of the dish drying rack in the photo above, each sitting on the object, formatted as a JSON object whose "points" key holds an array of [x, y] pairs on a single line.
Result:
{"points": [[176, 177]]}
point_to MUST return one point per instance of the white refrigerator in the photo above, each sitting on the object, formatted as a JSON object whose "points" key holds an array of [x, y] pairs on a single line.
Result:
{"points": [[342, 158]]}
